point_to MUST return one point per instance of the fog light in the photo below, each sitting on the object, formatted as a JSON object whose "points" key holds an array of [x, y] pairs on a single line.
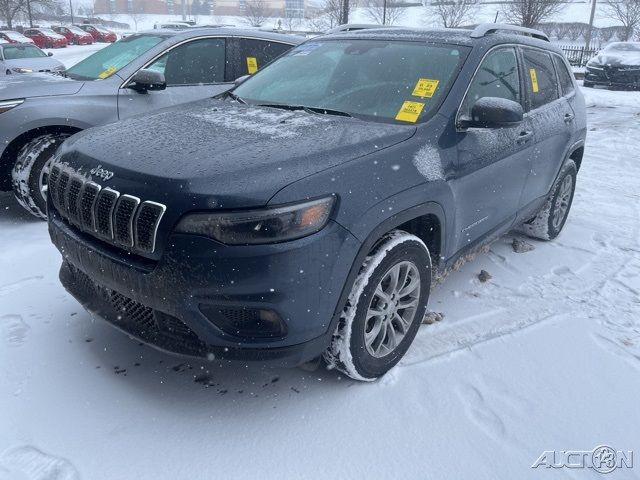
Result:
{"points": [[245, 322]]}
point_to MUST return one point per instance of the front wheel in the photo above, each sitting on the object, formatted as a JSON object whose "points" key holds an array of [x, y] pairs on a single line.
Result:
{"points": [[30, 173], [549, 221], [386, 306]]}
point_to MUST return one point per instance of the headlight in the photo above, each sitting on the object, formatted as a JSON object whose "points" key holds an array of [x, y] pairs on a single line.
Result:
{"points": [[6, 105], [269, 225], [22, 70]]}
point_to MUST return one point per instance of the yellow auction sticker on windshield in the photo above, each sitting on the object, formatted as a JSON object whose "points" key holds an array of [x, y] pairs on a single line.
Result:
{"points": [[534, 80], [410, 111], [107, 73], [252, 65], [425, 87]]}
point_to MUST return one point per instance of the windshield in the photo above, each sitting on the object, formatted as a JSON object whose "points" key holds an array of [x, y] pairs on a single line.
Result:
{"points": [[22, 51], [15, 36], [48, 31], [624, 47], [374, 79], [76, 30], [109, 60]]}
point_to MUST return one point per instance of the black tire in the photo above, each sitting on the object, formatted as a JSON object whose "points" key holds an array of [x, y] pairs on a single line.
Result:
{"points": [[550, 220], [28, 176], [587, 84], [349, 352]]}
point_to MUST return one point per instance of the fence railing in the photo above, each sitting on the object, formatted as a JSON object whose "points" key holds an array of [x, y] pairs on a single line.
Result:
{"points": [[578, 56]]}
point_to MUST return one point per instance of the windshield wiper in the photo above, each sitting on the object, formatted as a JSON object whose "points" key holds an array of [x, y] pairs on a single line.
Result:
{"points": [[314, 110], [235, 97]]}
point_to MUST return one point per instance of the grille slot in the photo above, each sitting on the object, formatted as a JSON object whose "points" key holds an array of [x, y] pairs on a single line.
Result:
{"points": [[120, 219], [87, 205], [105, 204], [61, 190], [73, 194], [146, 225], [123, 219], [54, 176]]}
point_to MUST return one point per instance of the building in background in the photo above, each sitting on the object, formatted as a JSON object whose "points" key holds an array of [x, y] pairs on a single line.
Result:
{"points": [[194, 8]]}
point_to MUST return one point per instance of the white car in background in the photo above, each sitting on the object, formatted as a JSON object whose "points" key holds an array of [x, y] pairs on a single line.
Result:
{"points": [[10, 36], [26, 58]]}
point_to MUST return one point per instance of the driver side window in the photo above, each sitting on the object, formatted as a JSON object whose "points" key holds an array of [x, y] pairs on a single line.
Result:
{"points": [[199, 62], [496, 77]]}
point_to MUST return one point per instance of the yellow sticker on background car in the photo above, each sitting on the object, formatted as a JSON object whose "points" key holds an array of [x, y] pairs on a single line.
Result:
{"points": [[534, 80], [252, 65], [410, 111], [425, 87], [107, 73]]}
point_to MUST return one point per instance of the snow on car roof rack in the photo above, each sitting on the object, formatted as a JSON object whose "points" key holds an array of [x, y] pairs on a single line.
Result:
{"points": [[488, 28]]}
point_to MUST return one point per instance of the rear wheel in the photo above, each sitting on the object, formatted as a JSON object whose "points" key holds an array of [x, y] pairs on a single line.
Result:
{"points": [[550, 220], [385, 308], [30, 173], [587, 83]]}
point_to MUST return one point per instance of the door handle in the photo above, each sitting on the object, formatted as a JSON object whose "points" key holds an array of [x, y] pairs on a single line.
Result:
{"points": [[525, 136], [568, 117]]}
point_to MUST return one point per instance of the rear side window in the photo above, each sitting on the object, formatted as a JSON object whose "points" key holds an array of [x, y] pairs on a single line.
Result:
{"points": [[255, 54], [566, 78], [540, 78], [497, 76], [193, 63]]}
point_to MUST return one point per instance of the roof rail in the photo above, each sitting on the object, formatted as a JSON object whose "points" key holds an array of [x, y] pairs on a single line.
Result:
{"points": [[351, 27], [488, 28]]}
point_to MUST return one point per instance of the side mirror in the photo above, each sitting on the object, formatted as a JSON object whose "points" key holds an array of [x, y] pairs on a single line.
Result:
{"points": [[50, 54], [493, 112], [147, 80], [240, 80]]}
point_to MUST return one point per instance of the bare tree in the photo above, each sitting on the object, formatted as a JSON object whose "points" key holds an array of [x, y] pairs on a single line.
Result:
{"points": [[291, 20], [627, 12], [136, 12], [255, 12], [10, 9], [529, 13], [384, 12], [319, 22], [454, 13]]}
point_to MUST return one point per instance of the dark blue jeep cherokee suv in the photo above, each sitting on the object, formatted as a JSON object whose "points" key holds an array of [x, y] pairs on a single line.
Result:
{"points": [[305, 212]]}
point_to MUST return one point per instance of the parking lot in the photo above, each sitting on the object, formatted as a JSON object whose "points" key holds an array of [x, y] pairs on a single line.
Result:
{"points": [[503, 377]]}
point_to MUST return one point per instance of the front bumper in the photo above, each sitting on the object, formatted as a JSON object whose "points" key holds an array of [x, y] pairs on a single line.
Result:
{"points": [[300, 280], [613, 77]]}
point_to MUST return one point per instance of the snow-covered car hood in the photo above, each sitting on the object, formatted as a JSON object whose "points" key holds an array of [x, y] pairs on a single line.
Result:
{"points": [[241, 154], [37, 64], [37, 85], [616, 59]]}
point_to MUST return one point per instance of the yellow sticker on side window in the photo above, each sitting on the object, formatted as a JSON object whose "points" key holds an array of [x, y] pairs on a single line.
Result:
{"points": [[534, 80], [410, 111], [252, 65], [107, 73], [425, 87]]}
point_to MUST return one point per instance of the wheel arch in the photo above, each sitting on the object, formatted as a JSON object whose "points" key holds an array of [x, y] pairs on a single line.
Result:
{"points": [[426, 221], [8, 157]]}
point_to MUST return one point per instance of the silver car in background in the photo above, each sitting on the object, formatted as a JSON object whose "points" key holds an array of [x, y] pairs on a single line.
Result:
{"points": [[138, 74], [26, 58]]}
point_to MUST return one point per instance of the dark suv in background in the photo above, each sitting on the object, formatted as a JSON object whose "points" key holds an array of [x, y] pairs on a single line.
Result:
{"points": [[305, 212]]}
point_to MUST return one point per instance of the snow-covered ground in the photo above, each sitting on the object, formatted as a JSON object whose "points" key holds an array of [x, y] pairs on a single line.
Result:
{"points": [[72, 54], [544, 356]]}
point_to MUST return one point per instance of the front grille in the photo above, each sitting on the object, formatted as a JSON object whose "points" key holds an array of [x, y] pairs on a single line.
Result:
{"points": [[117, 218], [133, 317]]}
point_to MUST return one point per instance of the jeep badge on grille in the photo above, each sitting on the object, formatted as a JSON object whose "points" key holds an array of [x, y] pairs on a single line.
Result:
{"points": [[102, 173]]}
